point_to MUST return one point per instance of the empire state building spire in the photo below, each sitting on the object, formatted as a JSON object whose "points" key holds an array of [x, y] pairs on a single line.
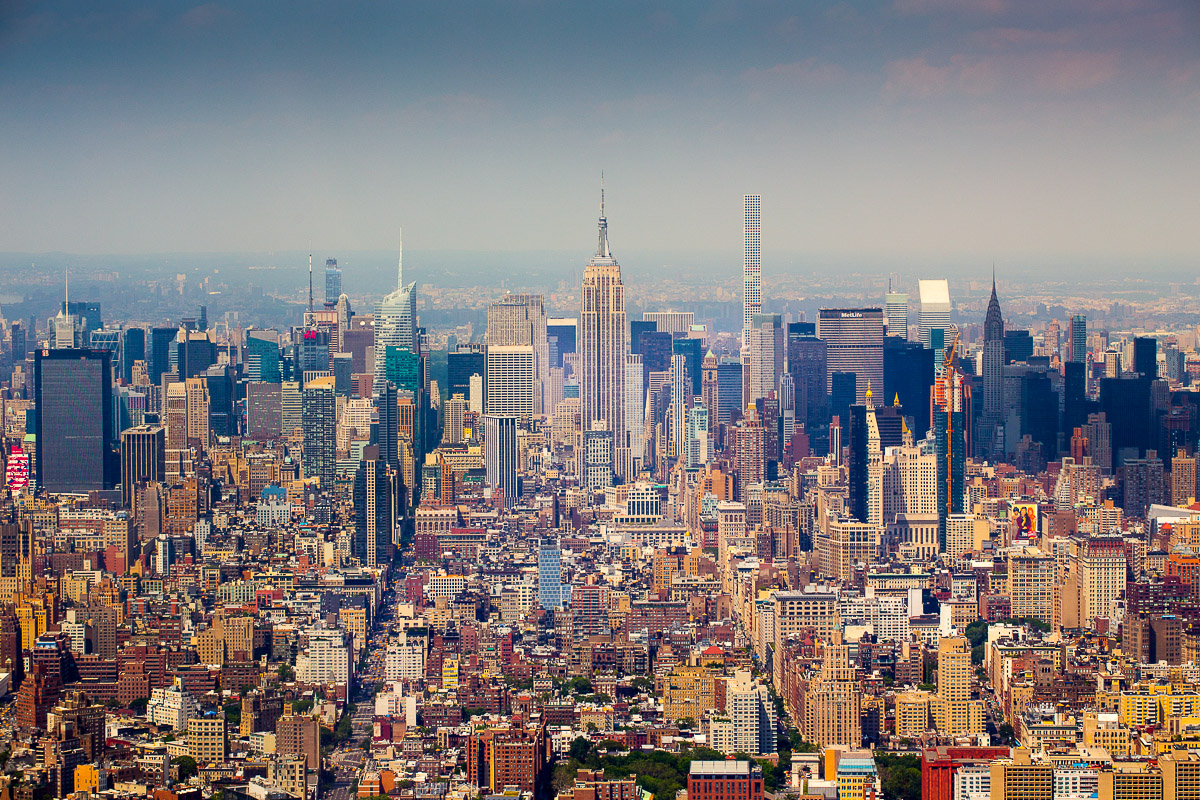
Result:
{"points": [[602, 250]]}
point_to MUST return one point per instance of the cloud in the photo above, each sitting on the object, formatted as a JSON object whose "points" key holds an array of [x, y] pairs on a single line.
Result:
{"points": [[916, 77], [1057, 72], [990, 7], [205, 15], [810, 72]]}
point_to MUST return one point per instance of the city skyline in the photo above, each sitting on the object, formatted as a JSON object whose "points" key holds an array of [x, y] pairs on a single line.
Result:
{"points": [[946, 131]]}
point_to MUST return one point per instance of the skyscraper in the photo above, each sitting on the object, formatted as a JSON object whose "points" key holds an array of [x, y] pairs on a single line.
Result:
{"points": [[865, 467], [1079, 338], [1145, 357], [143, 458], [395, 320], [765, 351], [751, 282], [896, 310], [320, 431], [264, 410], [954, 712], [807, 357], [692, 351], [680, 392], [387, 429], [333, 282], [519, 320], [729, 389], [908, 375], [635, 405], [603, 344], [550, 588], [262, 356], [463, 362], [133, 348], [161, 349], [951, 396], [510, 381], [73, 413], [934, 313], [500, 455], [854, 341], [374, 512], [993, 372], [751, 261]]}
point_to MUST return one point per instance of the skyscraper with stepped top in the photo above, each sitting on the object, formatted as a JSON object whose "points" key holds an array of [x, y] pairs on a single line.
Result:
{"points": [[603, 344]]}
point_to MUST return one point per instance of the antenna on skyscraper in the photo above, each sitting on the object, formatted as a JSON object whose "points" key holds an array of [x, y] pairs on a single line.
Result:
{"points": [[310, 295], [400, 262]]}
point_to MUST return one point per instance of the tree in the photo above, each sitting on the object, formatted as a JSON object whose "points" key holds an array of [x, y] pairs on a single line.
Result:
{"points": [[580, 748], [899, 775], [977, 632], [187, 766], [285, 672], [139, 704], [643, 684], [687, 723], [1007, 734]]}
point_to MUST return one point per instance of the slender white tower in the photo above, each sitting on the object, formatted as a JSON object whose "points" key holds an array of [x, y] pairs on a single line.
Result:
{"points": [[751, 262], [751, 283]]}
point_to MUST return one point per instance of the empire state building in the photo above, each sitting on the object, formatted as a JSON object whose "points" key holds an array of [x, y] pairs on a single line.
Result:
{"points": [[603, 344]]}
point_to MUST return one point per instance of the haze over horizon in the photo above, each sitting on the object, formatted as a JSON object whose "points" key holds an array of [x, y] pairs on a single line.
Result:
{"points": [[915, 131]]}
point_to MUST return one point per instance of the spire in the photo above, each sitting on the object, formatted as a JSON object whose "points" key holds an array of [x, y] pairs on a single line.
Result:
{"points": [[993, 324], [66, 289], [602, 250], [400, 263]]}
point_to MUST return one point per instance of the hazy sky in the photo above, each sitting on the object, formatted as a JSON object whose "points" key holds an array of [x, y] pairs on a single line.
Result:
{"points": [[916, 128]]}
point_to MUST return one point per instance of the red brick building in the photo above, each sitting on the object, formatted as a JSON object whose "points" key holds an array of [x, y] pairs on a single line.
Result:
{"points": [[725, 780], [501, 757], [938, 765]]}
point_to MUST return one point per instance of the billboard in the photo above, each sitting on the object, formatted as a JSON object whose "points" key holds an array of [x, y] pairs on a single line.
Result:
{"points": [[1023, 518], [17, 475]]}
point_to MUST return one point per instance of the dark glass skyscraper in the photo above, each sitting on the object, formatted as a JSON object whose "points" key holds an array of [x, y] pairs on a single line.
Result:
{"points": [[636, 328], [656, 355], [133, 348], [262, 356], [845, 388], [1079, 339], [333, 282], [195, 353], [159, 358], [692, 358], [1018, 346], [729, 388], [908, 374], [1145, 357], [560, 336], [807, 362], [463, 362], [73, 396]]}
